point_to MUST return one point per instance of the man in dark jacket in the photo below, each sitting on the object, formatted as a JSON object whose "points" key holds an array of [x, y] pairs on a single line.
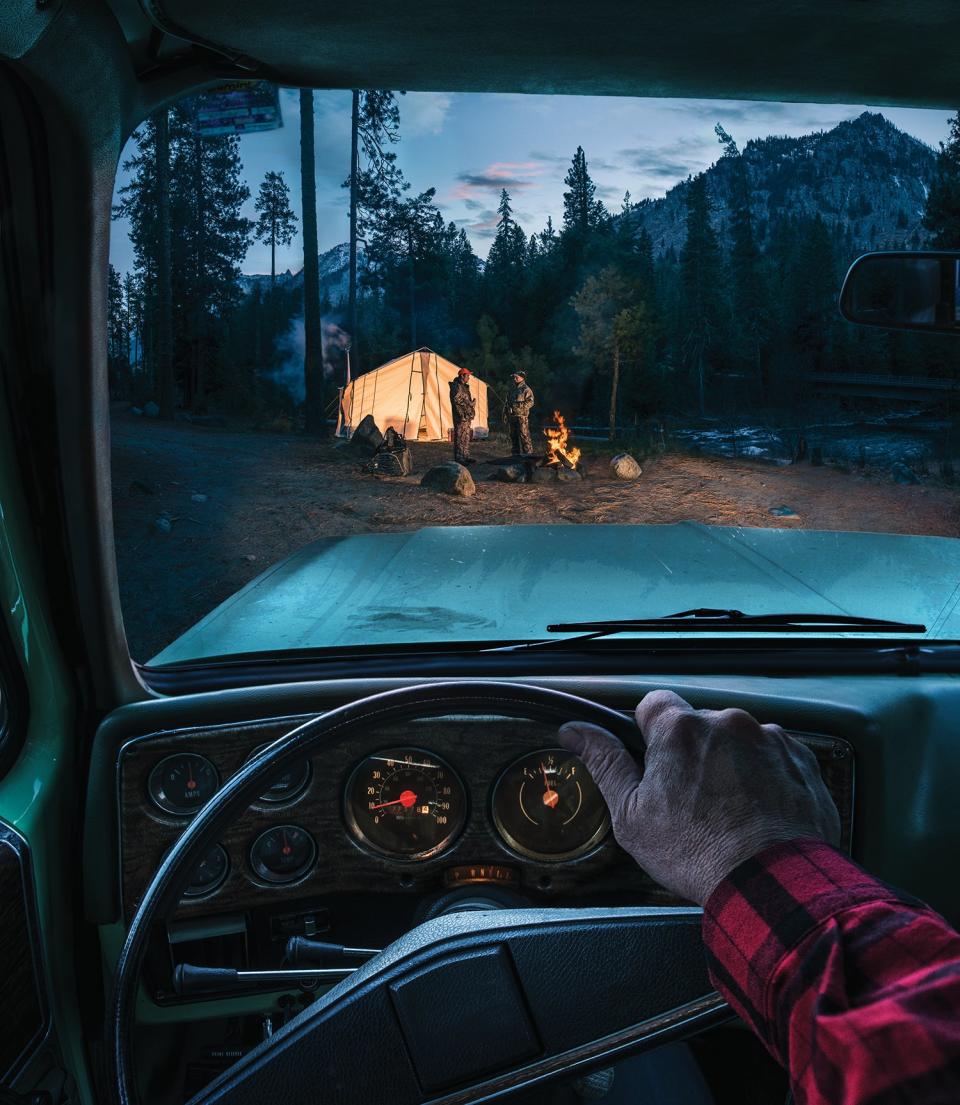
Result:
{"points": [[519, 404], [464, 408]]}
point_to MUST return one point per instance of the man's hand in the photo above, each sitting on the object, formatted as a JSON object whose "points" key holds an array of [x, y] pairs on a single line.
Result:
{"points": [[717, 788]]}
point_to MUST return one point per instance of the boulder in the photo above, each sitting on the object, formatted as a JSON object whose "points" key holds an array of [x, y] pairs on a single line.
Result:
{"points": [[451, 478], [367, 437], [163, 524], [196, 497], [547, 474], [151, 410], [509, 473], [624, 467], [569, 475]]}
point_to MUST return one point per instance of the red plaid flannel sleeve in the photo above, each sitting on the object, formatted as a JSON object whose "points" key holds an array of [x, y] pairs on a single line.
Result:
{"points": [[852, 986]]}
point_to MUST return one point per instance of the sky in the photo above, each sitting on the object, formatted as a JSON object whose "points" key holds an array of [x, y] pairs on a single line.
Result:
{"points": [[470, 145]]}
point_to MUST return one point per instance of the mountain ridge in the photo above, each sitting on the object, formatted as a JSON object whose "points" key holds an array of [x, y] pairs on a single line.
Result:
{"points": [[865, 177]]}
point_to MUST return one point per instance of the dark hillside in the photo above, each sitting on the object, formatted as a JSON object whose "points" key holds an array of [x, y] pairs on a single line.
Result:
{"points": [[866, 178]]}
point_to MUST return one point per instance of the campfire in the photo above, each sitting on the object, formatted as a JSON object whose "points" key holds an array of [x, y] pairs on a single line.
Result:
{"points": [[559, 450]]}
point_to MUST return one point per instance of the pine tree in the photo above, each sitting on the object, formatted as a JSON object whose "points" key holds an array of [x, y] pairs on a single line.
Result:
{"points": [[374, 126], [941, 216], [747, 298], [582, 211], [184, 200], [277, 223], [700, 272], [503, 276], [314, 397]]}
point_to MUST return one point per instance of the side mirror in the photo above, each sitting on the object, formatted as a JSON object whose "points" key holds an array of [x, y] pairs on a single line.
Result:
{"points": [[904, 291]]}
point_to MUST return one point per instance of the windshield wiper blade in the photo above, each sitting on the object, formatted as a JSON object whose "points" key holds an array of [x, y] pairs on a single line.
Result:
{"points": [[707, 620]]}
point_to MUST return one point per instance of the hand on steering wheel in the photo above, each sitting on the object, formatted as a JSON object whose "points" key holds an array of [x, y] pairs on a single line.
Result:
{"points": [[717, 787]]}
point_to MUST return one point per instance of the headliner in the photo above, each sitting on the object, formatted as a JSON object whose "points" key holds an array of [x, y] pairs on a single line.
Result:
{"points": [[883, 52]]}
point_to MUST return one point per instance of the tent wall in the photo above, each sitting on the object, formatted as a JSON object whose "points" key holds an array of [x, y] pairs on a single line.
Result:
{"points": [[411, 394]]}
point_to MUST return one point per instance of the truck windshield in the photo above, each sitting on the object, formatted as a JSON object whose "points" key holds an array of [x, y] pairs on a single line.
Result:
{"points": [[406, 368]]}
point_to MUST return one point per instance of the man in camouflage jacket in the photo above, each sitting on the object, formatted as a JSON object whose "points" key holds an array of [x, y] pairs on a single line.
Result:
{"points": [[464, 408], [519, 404]]}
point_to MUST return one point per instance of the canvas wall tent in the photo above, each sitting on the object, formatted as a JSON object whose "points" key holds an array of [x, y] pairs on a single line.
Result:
{"points": [[411, 394]]}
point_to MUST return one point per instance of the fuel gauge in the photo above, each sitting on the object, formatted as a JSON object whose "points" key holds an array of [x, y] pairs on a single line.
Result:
{"points": [[546, 807]]}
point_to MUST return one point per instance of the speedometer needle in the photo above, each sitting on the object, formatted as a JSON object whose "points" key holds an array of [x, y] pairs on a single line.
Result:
{"points": [[406, 800]]}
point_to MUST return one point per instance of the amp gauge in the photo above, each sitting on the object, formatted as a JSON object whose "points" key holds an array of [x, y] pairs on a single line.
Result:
{"points": [[180, 784]]}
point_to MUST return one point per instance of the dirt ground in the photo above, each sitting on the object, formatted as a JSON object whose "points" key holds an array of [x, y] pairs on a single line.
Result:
{"points": [[267, 495]]}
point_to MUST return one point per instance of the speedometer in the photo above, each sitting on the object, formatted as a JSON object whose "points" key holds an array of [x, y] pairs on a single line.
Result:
{"points": [[545, 806], [405, 803]]}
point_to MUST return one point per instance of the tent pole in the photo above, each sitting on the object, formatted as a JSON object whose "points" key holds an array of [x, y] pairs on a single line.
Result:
{"points": [[406, 414]]}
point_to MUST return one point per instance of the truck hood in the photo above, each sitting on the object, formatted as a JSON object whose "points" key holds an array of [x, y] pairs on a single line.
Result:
{"points": [[496, 583]]}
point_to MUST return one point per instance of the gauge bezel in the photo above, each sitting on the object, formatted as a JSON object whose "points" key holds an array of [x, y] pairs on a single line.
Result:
{"points": [[271, 880], [157, 797], [360, 838], [288, 799], [512, 845], [209, 891]]}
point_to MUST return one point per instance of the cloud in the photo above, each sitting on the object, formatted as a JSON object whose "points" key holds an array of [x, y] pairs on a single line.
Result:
{"points": [[424, 112], [512, 175], [486, 225], [473, 205]]}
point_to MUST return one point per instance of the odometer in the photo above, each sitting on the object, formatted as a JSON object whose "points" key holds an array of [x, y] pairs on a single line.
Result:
{"points": [[545, 806], [180, 784], [405, 803]]}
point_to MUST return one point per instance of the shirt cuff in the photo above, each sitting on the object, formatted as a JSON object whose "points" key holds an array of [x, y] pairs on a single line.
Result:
{"points": [[765, 907]]}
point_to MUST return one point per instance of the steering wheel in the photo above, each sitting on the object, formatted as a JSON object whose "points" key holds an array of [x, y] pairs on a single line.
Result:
{"points": [[467, 1006]]}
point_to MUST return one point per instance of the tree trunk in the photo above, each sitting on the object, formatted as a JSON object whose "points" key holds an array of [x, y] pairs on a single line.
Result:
{"points": [[701, 388], [312, 334], [166, 385], [614, 384], [412, 283], [354, 197]]}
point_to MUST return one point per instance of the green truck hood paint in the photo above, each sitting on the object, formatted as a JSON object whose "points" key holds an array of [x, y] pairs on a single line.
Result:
{"points": [[475, 583]]}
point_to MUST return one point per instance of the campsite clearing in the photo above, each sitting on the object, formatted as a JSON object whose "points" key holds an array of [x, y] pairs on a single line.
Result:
{"points": [[267, 495]]}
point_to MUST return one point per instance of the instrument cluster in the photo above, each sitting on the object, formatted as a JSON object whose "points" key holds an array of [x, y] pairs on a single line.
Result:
{"points": [[403, 803]]}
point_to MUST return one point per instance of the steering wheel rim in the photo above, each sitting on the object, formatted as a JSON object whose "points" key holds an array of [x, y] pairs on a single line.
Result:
{"points": [[423, 700]]}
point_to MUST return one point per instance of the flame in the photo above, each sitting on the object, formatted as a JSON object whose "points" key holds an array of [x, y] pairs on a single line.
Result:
{"points": [[558, 438]]}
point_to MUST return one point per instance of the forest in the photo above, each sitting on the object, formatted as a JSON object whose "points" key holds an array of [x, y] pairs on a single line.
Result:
{"points": [[612, 322]]}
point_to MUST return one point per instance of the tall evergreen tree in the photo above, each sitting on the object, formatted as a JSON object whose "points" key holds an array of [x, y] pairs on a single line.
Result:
{"points": [[314, 391], [747, 297], [374, 126], [700, 271], [184, 200], [941, 217], [277, 223], [582, 211], [503, 274]]}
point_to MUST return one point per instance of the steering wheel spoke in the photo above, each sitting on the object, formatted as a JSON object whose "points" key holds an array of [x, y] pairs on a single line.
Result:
{"points": [[471, 1005]]}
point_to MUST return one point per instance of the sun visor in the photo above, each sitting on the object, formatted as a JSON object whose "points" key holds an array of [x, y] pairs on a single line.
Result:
{"points": [[884, 52]]}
